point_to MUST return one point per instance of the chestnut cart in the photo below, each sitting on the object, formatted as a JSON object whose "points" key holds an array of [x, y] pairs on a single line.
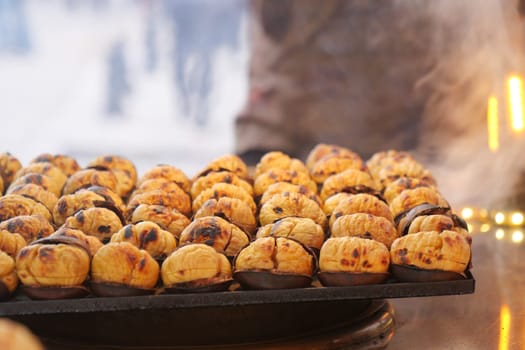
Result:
{"points": [[356, 316]]}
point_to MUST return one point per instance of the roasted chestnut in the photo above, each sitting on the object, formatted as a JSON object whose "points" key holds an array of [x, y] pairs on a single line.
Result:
{"points": [[69, 204], [31, 227], [180, 201], [53, 271], [13, 205], [350, 180], [274, 263], [167, 218], [291, 204], [90, 177], [365, 226], [204, 182], [37, 193], [346, 261], [332, 164], [304, 230], [101, 223], [217, 233], [67, 164], [121, 269], [11, 243], [219, 190], [196, 268], [149, 236], [169, 173], [279, 160], [228, 162], [41, 180], [263, 181], [232, 209], [408, 199], [124, 171], [8, 277], [54, 173], [280, 187], [361, 203], [322, 149], [430, 251], [9, 166]]}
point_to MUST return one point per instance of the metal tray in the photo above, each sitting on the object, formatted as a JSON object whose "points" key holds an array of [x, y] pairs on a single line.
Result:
{"points": [[231, 317]]}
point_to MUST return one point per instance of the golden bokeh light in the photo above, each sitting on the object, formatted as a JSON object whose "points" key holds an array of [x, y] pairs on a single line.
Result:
{"points": [[504, 328], [493, 123], [500, 233], [516, 218], [499, 218]]}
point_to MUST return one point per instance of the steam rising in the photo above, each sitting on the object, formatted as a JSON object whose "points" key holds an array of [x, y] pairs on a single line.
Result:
{"points": [[476, 45]]}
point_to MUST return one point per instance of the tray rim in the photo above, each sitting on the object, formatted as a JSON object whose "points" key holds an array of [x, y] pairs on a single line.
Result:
{"points": [[387, 290]]}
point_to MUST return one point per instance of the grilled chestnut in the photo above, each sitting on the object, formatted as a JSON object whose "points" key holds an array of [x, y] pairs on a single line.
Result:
{"points": [[232, 209], [37, 193], [54, 173], [291, 204], [67, 164], [228, 162], [167, 218], [350, 180], [330, 165], [90, 177], [149, 236], [304, 230], [101, 223], [394, 189], [409, 199], [321, 150], [280, 187], [279, 160], [9, 166], [346, 261], [41, 180], [333, 201], [13, 205], [219, 190], [204, 182], [69, 204], [76, 237], [31, 227], [124, 171], [430, 256], [361, 203], [196, 268], [121, 269], [11, 243], [180, 201], [53, 271], [263, 181], [217, 233], [8, 277], [274, 263], [169, 173], [365, 226]]}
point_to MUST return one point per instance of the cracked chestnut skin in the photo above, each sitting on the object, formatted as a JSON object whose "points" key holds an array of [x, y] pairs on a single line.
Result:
{"points": [[431, 250], [354, 254], [9, 166], [123, 168], [169, 219], [168, 172], [347, 181], [180, 201], [204, 182], [53, 172], [321, 150], [219, 190], [149, 236], [232, 209], [280, 187], [90, 243], [331, 165], [39, 194], [41, 180], [277, 255], [304, 230], [411, 198], [7, 272], [365, 226], [11, 243], [13, 205], [101, 223], [41, 265], [69, 204], [227, 162], [90, 177], [31, 227], [361, 203], [291, 204], [217, 233], [279, 160], [196, 263], [67, 164], [263, 181], [123, 263]]}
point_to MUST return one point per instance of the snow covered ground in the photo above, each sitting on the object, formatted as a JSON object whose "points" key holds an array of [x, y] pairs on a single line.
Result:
{"points": [[52, 99]]}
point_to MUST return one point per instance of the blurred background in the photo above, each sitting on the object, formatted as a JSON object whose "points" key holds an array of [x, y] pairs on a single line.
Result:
{"points": [[152, 80]]}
